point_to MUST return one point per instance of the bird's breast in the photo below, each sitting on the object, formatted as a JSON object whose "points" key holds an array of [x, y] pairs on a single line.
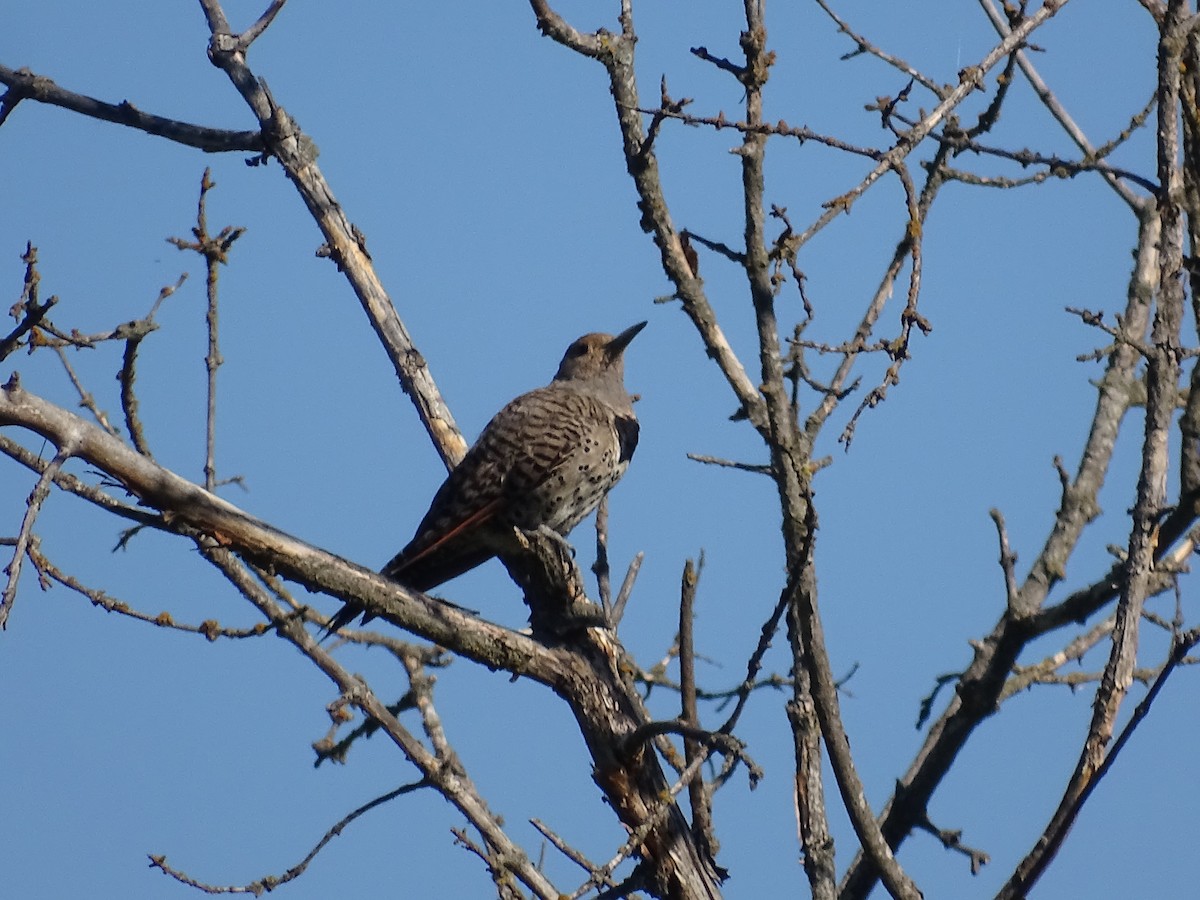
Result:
{"points": [[572, 478]]}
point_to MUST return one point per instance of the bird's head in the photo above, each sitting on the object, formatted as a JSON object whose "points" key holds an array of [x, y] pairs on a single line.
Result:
{"points": [[596, 355]]}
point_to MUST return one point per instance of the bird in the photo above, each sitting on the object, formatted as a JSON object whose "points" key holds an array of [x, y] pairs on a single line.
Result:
{"points": [[543, 463]]}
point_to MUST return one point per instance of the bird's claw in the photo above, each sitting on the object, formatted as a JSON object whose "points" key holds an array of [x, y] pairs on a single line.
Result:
{"points": [[555, 538]]}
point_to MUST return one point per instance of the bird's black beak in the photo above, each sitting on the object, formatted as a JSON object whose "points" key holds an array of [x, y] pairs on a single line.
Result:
{"points": [[618, 344]]}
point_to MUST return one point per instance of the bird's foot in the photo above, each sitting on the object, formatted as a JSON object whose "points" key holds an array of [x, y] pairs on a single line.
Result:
{"points": [[555, 538], [564, 622]]}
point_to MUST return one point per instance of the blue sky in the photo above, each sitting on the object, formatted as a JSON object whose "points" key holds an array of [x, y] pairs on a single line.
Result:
{"points": [[482, 163]]}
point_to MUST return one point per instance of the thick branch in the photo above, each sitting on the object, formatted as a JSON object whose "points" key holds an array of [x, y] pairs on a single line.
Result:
{"points": [[982, 684], [188, 506], [587, 668], [345, 244], [1162, 379], [616, 53]]}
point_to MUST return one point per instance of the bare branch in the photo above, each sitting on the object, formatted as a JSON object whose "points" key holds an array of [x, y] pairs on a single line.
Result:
{"points": [[251, 34], [969, 80], [270, 882], [1007, 559], [980, 686], [572, 854], [345, 243], [731, 464], [1051, 102], [191, 507], [215, 251], [21, 546], [555, 27], [24, 84], [626, 591], [600, 567], [210, 629], [450, 781], [952, 840], [865, 46], [698, 794], [128, 373], [28, 312], [804, 620], [1162, 378]]}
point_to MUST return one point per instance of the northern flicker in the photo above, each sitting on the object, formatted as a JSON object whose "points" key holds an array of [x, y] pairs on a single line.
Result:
{"points": [[544, 461]]}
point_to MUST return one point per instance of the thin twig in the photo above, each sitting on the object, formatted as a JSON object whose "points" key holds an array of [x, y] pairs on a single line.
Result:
{"points": [[70, 483], [952, 840], [210, 629], [1051, 102], [571, 853], [28, 311], [1007, 559], [251, 34], [626, 591], [215, 251], [128, 374], [756, 468], [600, 567], [449, 781], [270, 882], [699, 797], [865, 46], [86, 400], [33, 506]]}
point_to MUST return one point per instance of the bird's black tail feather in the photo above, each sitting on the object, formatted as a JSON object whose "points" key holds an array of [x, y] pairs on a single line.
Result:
{"points": [[343, 617]]}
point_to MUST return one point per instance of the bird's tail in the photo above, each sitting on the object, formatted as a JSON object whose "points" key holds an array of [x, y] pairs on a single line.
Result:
{"points": [[343, 617]]}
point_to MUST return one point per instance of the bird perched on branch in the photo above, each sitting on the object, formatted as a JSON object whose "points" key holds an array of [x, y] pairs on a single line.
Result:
{"points": [[543, 462]]}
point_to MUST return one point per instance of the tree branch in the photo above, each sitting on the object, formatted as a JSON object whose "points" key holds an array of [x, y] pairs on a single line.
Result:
{"points": [[25, 85], [344, 242]]}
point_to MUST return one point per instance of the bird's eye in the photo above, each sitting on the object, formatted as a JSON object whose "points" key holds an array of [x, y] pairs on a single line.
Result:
{"points": [[577, 349]]}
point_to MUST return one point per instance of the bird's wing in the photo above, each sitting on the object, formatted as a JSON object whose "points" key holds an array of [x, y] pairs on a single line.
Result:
{"points": [[427, 543], [470, 498], [559, 425], [527, 446]]}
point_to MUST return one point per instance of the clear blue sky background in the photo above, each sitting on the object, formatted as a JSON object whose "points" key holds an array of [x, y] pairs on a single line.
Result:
{"points": [[482, 163]]}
